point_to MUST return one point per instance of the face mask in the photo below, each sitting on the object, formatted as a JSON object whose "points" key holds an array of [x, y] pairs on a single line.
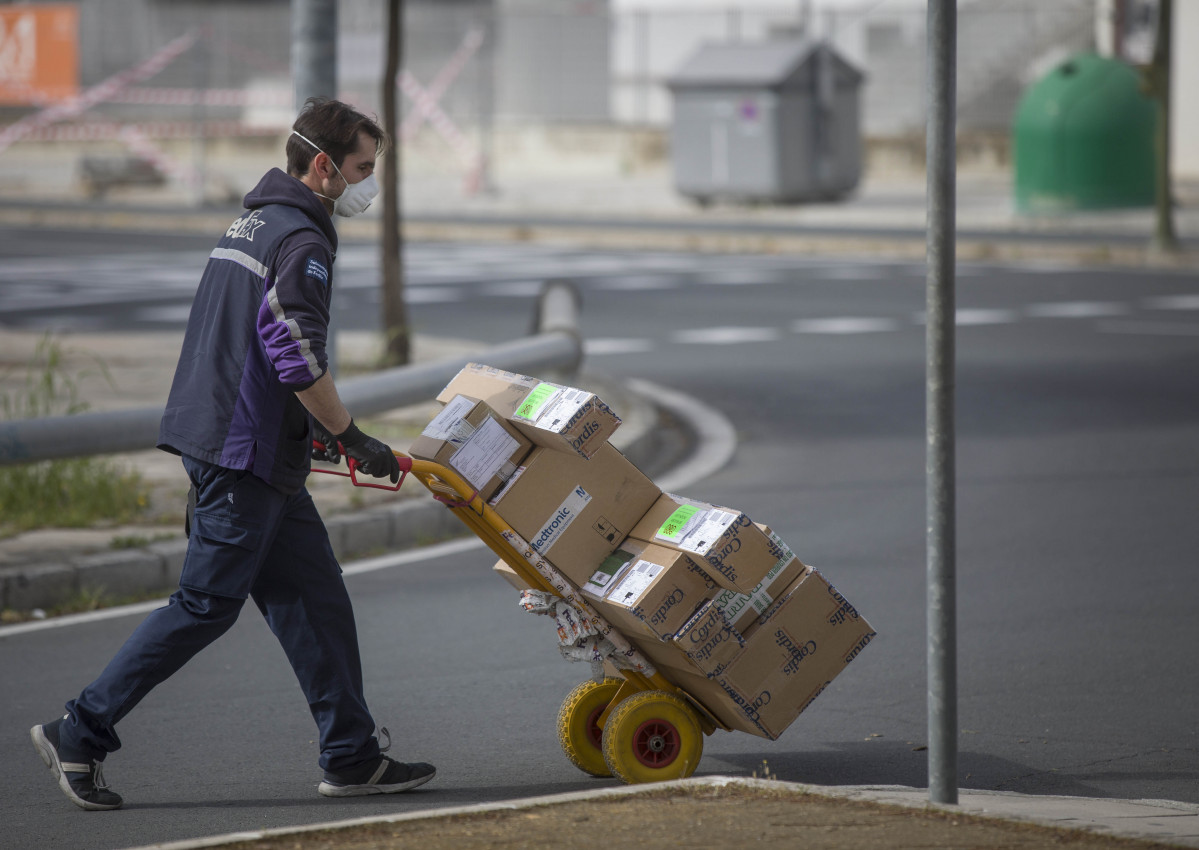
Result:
{"points": [[356, 197]]}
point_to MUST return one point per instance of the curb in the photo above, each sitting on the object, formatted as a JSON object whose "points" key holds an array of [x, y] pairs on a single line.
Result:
{"points": [[1155, 820], [649, 440]]}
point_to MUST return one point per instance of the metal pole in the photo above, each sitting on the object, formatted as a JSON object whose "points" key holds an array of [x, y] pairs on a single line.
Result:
{"points": [[313, 49], [939, 404], [314, 72]]}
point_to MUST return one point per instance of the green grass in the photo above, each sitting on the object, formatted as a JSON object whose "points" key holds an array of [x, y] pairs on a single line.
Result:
{"points": [[71, 493]]}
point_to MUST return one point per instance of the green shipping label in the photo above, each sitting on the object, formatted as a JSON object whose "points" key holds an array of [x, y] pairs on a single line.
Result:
{"points": [[672, 530], [535, 401]]}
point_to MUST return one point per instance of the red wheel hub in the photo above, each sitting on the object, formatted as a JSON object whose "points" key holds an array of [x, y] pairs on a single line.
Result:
{"points": [[595, 735], [656, 743]]}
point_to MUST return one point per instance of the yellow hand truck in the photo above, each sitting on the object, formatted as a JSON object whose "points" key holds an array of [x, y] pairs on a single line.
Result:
{"points": [[633, 723]]}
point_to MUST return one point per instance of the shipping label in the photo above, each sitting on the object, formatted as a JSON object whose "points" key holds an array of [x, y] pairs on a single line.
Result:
{"points": [[450, 424], [562, 410], [678, 524], [707, 529], [608, 573], [634, 584], [485, 453], [570, 509], [539, 399]]}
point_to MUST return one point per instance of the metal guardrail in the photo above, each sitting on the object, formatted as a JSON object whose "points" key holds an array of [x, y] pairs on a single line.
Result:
{"points": [[556, 345]]}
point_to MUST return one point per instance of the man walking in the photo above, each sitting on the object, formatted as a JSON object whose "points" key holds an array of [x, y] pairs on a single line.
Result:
{"points": [[250, 395]]}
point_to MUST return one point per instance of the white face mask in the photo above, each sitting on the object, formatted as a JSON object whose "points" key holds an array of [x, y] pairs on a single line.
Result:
{"points": [[356, 197]]}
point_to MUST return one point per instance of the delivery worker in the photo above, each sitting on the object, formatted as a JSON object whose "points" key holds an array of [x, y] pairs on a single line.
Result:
{"points": [[251, 393]]}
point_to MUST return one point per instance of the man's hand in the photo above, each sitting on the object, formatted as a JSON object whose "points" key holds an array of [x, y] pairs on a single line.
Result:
{"points": [[327, 450], [371, 456]]}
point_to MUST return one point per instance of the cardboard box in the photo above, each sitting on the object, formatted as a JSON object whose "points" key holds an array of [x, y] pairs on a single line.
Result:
{"points": [[654, 590], [806, 639], [504, 571], [572, 511], [725, 543], [742, 610], [554, 416], [804, 642], [473, 440]]}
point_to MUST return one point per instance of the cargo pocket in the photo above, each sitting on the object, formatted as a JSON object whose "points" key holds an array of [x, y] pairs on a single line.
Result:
{"points": [[222, 556]]}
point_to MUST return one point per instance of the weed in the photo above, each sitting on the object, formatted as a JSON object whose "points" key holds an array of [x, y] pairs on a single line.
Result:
{"points": [[73, 493]]}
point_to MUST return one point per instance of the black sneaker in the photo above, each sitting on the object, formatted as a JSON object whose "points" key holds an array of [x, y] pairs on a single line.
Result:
{"points": [[388, 776], [82, 782]]}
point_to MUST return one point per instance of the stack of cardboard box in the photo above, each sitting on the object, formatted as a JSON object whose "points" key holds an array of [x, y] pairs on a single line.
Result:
{"points": [[720, 604]]}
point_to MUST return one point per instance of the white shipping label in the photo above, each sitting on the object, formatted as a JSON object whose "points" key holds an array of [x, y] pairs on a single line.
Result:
{"points": [[562, 409], [512, 479], [448, 423], [488, 449], [707, 530], [570, 509], [634, 584]]}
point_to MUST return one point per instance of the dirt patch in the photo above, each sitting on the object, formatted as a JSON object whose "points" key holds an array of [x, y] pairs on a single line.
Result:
{"points": [[716, 817]]}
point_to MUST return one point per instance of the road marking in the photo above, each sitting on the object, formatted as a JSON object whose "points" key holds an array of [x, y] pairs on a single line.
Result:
{"points": [[1149, 328], [739, 277], [975, 316], [514, 289], [1076, 309], [426, 295], [1173, 302], [614, 345], [844, 325], [715, 436], [635, 283], [367, 565], [724, 335]]}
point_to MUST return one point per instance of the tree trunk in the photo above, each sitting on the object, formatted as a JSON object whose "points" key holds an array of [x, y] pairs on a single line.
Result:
{"points": [[395, 312]]}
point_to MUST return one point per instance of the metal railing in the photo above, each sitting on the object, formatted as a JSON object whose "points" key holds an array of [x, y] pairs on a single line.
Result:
{"points": [[555, 345]]}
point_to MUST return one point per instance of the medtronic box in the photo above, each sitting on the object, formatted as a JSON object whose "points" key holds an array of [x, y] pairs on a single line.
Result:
{"points": [[572, 511], [649, 589], [550, 415], [474, 441], [725, 543], [801, 644]]}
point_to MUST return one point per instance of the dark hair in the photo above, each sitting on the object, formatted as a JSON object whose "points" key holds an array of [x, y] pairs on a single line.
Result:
{"points": [[332, 126]]}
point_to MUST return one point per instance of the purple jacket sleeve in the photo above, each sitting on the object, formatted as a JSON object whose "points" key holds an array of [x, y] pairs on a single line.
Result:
{"points": [[293, 319]]}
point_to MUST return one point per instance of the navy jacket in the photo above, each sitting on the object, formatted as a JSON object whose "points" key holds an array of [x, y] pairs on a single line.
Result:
{"points": [[256, 334]]}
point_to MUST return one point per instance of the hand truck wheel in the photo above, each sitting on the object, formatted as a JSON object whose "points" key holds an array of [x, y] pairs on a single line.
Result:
{"points": [[652, 736], [578, 732]]}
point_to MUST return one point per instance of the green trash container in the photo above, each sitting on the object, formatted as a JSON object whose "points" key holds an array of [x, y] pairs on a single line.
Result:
{"points": [[1083, 139]]}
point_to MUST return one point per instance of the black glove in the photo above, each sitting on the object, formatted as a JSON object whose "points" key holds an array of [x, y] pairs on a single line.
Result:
{"points": [[371, 456], [327, 450]]}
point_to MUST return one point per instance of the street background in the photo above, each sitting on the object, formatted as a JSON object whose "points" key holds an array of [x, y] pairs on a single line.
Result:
{"points": [[802, 326]]}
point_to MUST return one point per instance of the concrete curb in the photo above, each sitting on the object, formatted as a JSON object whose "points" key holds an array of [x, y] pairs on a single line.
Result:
{"points": [[1157, 820], [403, 525]]}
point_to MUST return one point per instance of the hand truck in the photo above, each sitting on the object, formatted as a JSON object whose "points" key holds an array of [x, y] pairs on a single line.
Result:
{"points": [[633, 722]]}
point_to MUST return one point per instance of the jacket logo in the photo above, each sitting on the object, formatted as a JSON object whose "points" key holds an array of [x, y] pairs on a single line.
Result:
{"points": [[245, 226]]}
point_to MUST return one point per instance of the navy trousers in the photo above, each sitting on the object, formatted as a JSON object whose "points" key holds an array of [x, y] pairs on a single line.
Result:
{"points": [[247, 539]]}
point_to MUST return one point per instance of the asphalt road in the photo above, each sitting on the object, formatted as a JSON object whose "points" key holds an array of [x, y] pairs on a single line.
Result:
{"points": [[1078, 419]]}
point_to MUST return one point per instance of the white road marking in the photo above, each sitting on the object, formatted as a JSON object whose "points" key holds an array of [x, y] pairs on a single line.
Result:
{"points": [[1173, 302], [514, 289], [367, 565], [724, 335], [1149, 328], [845, 325], [635, 283], [426, 295], [974, 316], [613, 345], [1076, 309]]}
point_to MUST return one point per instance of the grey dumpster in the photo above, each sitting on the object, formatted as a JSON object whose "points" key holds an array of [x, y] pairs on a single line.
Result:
{"points": [[770, 121]]}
